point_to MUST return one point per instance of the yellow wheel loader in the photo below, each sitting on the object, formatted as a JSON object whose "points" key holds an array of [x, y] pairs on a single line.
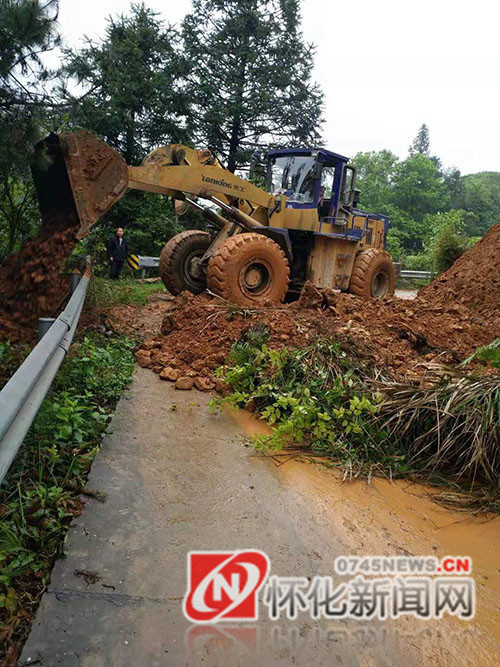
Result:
{"points": [[264, 244]]}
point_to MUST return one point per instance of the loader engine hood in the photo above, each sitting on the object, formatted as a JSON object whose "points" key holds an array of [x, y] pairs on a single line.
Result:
{"points": [[77, 171]]}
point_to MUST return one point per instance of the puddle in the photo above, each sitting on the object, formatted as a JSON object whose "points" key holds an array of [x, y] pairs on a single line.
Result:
{"points": [[398, 518]]}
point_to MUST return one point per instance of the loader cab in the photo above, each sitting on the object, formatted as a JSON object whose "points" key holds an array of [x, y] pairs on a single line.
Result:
{"points": [[313, 178]]}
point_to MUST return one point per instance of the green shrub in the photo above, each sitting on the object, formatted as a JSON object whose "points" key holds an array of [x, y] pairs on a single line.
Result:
{"points": [[447, 247], [40, 493], [314, 399], [421, 262]]}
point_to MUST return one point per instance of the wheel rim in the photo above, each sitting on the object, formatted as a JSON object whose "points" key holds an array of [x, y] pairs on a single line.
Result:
{"points": [[380, 284], [255, 277], [192, 271]]}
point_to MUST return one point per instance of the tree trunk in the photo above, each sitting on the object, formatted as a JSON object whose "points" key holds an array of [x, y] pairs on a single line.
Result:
{"points": [[234, 143], [130, 139]]}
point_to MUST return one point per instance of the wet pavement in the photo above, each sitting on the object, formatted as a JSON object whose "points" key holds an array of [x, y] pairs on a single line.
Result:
{"points": [[178, 478]]}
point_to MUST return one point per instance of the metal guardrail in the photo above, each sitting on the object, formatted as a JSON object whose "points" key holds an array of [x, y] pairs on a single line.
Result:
{"points": [[153, 262], [23, 394], [148, 262], [141, 262], [424, 275]]}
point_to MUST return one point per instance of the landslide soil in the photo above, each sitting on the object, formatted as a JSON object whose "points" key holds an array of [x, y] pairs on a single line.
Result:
{"points": [[191, 335], [472, 282], [447, 321], [32, 282]]}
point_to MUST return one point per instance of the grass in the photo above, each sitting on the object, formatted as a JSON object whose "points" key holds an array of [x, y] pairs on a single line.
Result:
{"points": [[125, 291], [413, 284], [323, 400], [41, 492]]}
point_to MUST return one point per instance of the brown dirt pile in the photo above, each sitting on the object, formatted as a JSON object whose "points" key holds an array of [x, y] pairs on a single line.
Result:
{"points": [[448, 320], [473, 281], [31, 284], [399, 337]]}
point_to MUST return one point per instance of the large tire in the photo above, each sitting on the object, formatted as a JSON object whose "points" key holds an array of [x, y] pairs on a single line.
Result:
{"points": [[249, 269], [177, 269], [373, 274]]}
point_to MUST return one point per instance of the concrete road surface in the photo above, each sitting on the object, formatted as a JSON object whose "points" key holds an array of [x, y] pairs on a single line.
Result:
{"points": [[176, 479], [406, 293]]}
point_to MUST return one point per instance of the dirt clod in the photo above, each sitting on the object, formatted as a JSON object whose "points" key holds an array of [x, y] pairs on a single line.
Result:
{"points": [[143, 358], [184, 383], [204, 383], [170, 374]]}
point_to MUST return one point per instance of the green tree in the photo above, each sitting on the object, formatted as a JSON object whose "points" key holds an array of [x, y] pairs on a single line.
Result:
{"points": [[130, 92], [395, 243], [421, 146], [250, 77], [375, 171], [27, 30], [409, 232], [132, 84], [419, 187], [421, 143], [481, 195], [436, 222], [449, 242], [19, 214], [454, 185]]}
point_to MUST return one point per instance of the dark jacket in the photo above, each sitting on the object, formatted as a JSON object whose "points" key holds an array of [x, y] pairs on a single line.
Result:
{"points": [[117, 251]]}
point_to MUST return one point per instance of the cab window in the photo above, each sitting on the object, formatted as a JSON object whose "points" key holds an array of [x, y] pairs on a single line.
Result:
{"points": [[294, 176]]}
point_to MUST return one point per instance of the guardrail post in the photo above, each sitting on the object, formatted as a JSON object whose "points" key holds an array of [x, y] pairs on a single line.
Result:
{"points": [[44, 324], [75, 279]]}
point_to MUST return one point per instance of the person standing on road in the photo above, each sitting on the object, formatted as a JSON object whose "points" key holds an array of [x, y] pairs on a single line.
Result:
{"points": [[117, 254]]}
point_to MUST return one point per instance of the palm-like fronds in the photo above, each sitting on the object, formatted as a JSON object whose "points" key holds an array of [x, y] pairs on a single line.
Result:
{"points": [[448, 423]]}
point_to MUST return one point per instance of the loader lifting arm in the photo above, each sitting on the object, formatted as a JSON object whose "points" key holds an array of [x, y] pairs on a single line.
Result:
{"points": [[307, 227], [97, 177], [177, 170]]}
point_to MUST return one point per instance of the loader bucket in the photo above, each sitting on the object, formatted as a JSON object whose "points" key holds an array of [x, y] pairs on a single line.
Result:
{"points": [[76, 171]]}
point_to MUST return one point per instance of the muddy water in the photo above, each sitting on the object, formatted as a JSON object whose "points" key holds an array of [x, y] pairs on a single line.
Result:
{"points": [[399, 518]]}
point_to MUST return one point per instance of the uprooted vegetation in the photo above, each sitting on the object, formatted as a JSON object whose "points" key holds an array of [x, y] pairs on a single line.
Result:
{"points": [[322, 399], [377, 386]]}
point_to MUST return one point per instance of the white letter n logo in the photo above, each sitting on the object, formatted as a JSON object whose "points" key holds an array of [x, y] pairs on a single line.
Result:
{"points": [[232, 590]]}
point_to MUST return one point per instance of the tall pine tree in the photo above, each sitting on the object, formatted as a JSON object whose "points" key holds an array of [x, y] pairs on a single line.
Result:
{"points": [[28, 29], [132, 92], [249, 78], [421, 144]]}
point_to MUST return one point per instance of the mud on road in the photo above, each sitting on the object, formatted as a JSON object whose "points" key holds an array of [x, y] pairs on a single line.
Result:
{"points": [[189, 336], [178, 478], [447, 321]]}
